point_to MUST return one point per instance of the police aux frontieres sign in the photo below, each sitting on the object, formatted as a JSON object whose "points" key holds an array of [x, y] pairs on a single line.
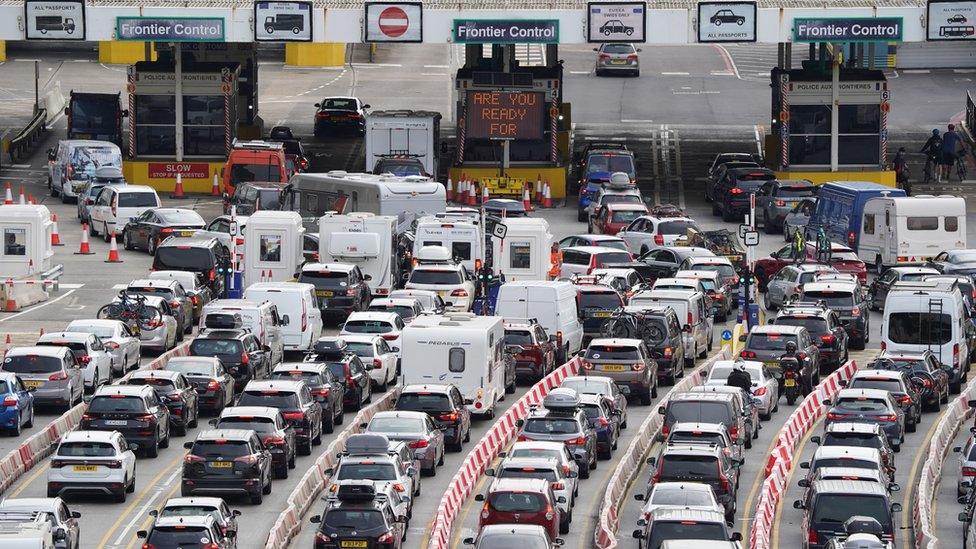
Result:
{"points": [[170, 29]]}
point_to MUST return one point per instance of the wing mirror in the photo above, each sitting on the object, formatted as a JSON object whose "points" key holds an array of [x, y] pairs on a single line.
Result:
{"points": [[479, 497], [815, 439], [803, 483], [798, 504], [736, 536], [315, 519], [805, 465], [188, 444], [896, 507]]}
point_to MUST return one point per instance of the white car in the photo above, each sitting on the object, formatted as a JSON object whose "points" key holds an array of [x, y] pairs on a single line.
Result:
{"points": [[613, 195], [115, 335], [115, 205], [94, 357], [388, 326], [92, 462], [648, 232], [679, 495], [429, 299], [375, 349], [450, 281], [542, 449], [407, 307], [765, 388]]}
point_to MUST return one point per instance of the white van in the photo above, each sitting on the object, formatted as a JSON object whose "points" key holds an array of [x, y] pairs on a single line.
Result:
{"points": [[273, 247], [261, 317], [365, 240], [298, 308], [554, 304], [524, 252], [911, 229], [115, 205], [694, 313], [458, 348], [927, 315], [463, 239]]}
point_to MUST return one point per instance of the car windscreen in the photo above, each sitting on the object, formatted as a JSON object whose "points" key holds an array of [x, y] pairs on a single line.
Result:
{"points": [[191, 369], [156, 383], [528, 472], [274, 399], [677, 226], [612, 352], [585, 386], [243, 173], [618, 48], [181, 217], [395, 425], [268, 199], [769, 341], [751, 181], [116, 403], [541, 453], [367, 327], [551, 426], [620, 199], [366, 471], [686, 529], [403, 311], [921, 328], [190, 511], [600, 300], [862, 404], [78, 349], [164, 293], [401, 168], [837, 508], [326, 279], [832, 298], [625, 216], [101, 332], [794, 192], [32, 364], [838, 256], [615, 244], [216, 347], [86, 449], [137, 200], [424, 402], [184, 537], [260, 425], [689, 466], [814, 324], [363, 520], [696, 411], [723, 270], [611, 163], [859, 440], [435, 276], [605, 258], [95, 114], [593, 412], [518, 337], [183, 258], [220, 448], [339, 103], [516, 502], [891, 385]]}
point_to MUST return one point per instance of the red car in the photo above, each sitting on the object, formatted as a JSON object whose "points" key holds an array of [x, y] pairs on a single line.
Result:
{"points": [[842, 258], [538, 355], [613, 217], [520, 501]]}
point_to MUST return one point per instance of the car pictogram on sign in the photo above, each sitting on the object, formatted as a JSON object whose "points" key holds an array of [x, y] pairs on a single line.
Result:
{"points": [[616, 26], [726, 16]]}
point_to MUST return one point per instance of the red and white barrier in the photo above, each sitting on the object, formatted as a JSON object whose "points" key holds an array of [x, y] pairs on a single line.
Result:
{"points": [[780, 462], [487, 450], [604, 536], [931, 473], [289, 522]]}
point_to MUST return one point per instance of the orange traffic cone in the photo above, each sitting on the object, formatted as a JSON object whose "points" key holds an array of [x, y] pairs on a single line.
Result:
{"points": [[526, 201], [30, 199], [484, 194], [462, 194], [9, 199], [547, 196], [20, 199], [85, 249], [55, 236], [472, 199], [178, 191], [113, 251], [215, 189], [8, 344], [450, 190], [11, 304], [538, 189]]}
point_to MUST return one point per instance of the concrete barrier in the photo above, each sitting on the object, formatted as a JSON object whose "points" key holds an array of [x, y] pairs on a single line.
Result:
{"points": [[605, 534], [17, 294]]}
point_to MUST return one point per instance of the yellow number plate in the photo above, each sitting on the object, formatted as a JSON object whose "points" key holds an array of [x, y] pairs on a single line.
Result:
{"points": [[221, 464], [84, 468], [324, 293], [186, 233], [33, 384], [352, 544], [789, 383], [612, 367], [772, 364], [602, 314]]}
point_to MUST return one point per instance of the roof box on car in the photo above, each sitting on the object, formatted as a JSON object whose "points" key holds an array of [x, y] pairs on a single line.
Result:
{"points": [[561, 399], [367, 445], [356, 490], [331, 346], [224, 321]]}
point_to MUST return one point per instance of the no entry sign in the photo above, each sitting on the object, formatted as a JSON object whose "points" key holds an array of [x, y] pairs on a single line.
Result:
{"points": [[394, 22]]}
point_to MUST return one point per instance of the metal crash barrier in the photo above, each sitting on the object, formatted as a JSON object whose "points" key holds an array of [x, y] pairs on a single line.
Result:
{"points": [[23, 144]]}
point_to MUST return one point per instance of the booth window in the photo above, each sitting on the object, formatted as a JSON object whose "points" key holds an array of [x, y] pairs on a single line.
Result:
{"points": [[859, 134], [14, 242], [521, 256], [203, 125], [809, 134], [455, 360], [270, 247], [155, 125]]}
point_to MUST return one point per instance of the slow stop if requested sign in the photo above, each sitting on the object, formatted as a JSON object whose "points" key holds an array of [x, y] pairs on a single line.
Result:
{"points": [[394, 22]]}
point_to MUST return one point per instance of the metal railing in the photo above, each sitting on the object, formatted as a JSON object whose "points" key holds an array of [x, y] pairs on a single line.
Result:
{"points": [[970, 115], [22, 146]]}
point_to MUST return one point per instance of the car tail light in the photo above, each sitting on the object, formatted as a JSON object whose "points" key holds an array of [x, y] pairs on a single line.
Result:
{"points": [[659, 239], [780, 203], [927, 382], [812, 536], [668, 352], [210, 546], [736, 190], [113, 464], [385, 539], [195, 299], [549, 512], [726, 486], [390, 337], [828, 339], [604, 57], [884, 346], [174, 304], [58, 376], [148, 546], [856, 311], [734, 433], [834, 416], [850, 238], [522, 438], [304, 317], [904, 399], [87, 417], [167, 230], [294, 416], [955, 354], [245, 359], [57, 464], [747, 354], [85, 359], [419, 444], [593, 264], [453, 416], [603, 422], [10, 401], [691, 319], [274, 441], [399, 487], [760, 391], [638, 367], [177, 411], [148, 418], [322, 392], [577, 441], [213, 275], [190, 458], [319, 536], [966, 471], [558, 486], [460, 292], [485, 513], [248, 460], [888, 417], [566, 469], [665, 430], [89, 202], [213, 386], [351, 292]]}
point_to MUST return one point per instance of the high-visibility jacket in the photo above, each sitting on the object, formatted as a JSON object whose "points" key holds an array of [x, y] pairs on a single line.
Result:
{"points": [[556, 260]]}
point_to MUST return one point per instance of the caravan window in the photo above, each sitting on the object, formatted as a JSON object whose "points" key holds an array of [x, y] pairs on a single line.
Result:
{"points": [[951, 224], [461, 250], [521, 256], [455, 360], [868, 223], [922, 223]]}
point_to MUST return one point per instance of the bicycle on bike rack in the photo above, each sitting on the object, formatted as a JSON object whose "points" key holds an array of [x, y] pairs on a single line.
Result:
{"points": [[133, 311]]}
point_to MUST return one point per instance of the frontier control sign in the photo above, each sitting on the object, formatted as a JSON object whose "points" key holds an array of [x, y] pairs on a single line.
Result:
{"points": [[853, 29], [170, 29], [504, 115], [506, 31]]}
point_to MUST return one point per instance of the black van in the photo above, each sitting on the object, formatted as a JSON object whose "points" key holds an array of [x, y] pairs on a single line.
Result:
{"points": [[829, 503], [204, 255]]}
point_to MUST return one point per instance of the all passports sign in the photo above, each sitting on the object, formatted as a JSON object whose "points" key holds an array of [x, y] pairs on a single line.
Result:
{"points": [[853, 29]]}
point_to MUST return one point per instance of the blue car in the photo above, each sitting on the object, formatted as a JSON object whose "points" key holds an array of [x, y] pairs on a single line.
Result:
{"points": [[587, 193], [17, 410], [605, 421]]}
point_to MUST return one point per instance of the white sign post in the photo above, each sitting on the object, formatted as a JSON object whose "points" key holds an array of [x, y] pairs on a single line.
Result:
{"points": [[616, 21]]}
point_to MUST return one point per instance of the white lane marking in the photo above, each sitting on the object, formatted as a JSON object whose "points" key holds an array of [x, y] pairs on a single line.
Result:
{"points": [[916, 71], [433, 74], [729, 61], [631, 120], [120, 286], [674, 74], [21, 166], [32, 309], [71, 286], [435, 66], [722, 73], [963, 71], [579, 72], [362, 65]]}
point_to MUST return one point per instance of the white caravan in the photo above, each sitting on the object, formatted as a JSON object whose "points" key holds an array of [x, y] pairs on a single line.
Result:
{"points": [[524, 252], [911, 229], [364, 240], [273, 248]]}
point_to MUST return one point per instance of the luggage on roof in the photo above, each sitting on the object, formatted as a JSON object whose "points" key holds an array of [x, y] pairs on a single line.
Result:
{"points": [[561, 399], [224, 321]]}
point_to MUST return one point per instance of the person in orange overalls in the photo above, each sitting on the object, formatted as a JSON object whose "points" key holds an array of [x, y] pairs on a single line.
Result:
{"points": [[556, 260]]}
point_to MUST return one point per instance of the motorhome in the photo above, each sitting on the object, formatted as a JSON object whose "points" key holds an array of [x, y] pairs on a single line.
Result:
{"points": [[461, 349], [911, 229], [406, 198], [273, 249], [554, 304], [365, 240], [524, 252], [463, 239]]}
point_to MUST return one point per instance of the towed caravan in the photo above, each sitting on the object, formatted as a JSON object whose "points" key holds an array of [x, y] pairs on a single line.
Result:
{"points": [[364, 240], [911, 229]]}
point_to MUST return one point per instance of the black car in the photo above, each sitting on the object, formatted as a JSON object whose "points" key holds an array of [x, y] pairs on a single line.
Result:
{"points": [[341, 288], [731, 193], [251, 197], [227, 462], [825, 328], [706, 464], [401, 166], [906, 391], [326, 390], [830, 503], [347, 368], [663, 261], [338, 114], [213, 384], [359, 516], [961, 262], [445, 406], [277, 435], [134, 411], [297, 406], [883, 284], [238, 350], [718, 172], [148, 230], [664, 342], [201, 254], [597, 302], [176, 393]]}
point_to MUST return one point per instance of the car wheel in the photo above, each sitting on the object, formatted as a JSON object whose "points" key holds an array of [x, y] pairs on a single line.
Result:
{"points": [[291, 461], [281, 471], [127, 241], [305, 448], [257, 499], [911, 426], [715, 209], [91, 228], [107, 237], [339, 418], [768, 302], [318, 437], [164, 442], [328, 425], [131, 488], [267, 487], [120, 497], [727, 215], [30, 419], [151, 246], [153, 451], [18, 428]]}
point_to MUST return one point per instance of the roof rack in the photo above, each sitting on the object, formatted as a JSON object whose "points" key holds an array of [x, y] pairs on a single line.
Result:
{"points": [[258, 145]]}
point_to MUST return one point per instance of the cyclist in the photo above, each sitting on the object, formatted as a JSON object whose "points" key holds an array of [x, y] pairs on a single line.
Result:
{"points": [[933, 151], [799, 246]]}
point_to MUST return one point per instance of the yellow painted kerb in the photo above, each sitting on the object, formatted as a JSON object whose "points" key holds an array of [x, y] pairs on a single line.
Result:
{"points": [[113, 52], [3, 50], [884, 177], [311, 54]]}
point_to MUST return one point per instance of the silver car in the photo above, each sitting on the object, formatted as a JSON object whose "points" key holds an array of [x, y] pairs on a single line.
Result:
{"points": [[786, 284], [106, 175], [776, 198], [967, 466], [542, 449], [679, 495], [615, 58], [117, 339], [765, 387], [53, 373], [417, 430], [161, 337]]}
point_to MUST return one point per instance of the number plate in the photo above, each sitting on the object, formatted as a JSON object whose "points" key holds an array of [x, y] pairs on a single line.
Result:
{"points": [[617, 61], [84, 468], [220, 464], [602, 314], [612, 367], [324, 293], [186, 233], [789, 383], [33, 384], [772, 364], [352, 543], [119, 422]]}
